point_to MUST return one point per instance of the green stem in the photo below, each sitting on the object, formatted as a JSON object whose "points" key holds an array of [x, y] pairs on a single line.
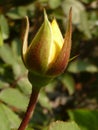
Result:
{"points": [[30, 109]]}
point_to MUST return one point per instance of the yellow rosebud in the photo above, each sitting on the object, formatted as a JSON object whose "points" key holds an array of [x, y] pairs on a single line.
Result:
{"points": [[48, 53]]}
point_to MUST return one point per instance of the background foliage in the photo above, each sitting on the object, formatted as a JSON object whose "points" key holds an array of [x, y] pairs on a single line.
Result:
{"points": [[73, 96]]}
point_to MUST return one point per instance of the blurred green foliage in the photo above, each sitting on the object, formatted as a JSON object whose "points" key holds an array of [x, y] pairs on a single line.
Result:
{"points": [[76, 88]]}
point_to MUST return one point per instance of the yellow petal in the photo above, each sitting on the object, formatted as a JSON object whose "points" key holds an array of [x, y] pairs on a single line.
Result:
{"points": [[62, 59], [57, 36], [52, 55], [57, 42]]}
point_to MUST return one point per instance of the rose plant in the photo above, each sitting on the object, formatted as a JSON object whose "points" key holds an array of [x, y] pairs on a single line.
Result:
{"points": [[46, 57]]}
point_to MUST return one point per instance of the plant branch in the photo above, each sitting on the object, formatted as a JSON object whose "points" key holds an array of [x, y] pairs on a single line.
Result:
{"points": [[30, 109]]}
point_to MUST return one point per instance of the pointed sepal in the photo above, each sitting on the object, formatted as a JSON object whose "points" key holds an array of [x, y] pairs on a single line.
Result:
{"points": [[24, 37], [62, 60], [37, 54]]}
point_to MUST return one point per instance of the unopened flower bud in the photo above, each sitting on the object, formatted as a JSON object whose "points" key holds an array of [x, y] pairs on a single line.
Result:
{"points": [[48, 53]]}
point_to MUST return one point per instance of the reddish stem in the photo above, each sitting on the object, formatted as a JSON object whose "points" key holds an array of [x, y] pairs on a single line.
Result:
{"points": [[30, 109]]}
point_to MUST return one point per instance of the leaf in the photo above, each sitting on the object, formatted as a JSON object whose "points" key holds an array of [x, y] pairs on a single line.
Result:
{"points": [[79, 15], [87, 1], [6, 54], [77, 9], [82, 66], [68, 82], [29, 129], [1, 38], [14, 97], [21, 11], [3, 84], [84, 25], [4, 123], [17, 13], [16, 47], [59, 125], [86, 119], [54, 3], [13, 119], [44, 101], [18, 67], [24, 85], [4, 27]]}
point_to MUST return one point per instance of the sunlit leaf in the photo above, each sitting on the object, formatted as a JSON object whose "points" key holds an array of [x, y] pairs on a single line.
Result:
{"points": [[54, 3], [24, 85], [21, 11], [6, 54], [68, 82], [82, 66], [11, 57], [77, 9], [3, 84], [59, 125], [4, 123], [86, 119], [13, 119], [79, 15], [4, 27], [14, 97], [1, 38], [29, 129], [44, 101]]}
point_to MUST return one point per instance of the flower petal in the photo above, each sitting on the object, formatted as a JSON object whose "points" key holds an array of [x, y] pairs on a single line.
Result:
{"points": [[57, 35], [62, 60], [57, 42]]}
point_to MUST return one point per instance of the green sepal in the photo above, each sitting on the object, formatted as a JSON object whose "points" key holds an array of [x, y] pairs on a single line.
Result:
{"points": [[37, 54], [39, 80]]}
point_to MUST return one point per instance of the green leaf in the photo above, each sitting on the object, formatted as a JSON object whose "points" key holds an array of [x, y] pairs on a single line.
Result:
{"points": [[59, 125], [17, 13], [29, 129], [6, 54], [77, 9], [4, 123], [1, 38], [14, 97], [13, 119], [79, 15], [68, 82], [3, 84], [84, 25], [86, 119], [87, 1], [18, 67], [21, 11], [24, 85], [54, 3], [16, 47], [44, 101], [4, 27], [82, 66], [9, 55]]}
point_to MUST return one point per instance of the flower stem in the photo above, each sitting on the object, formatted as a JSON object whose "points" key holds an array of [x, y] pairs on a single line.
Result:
{"points": [[30, 109]]}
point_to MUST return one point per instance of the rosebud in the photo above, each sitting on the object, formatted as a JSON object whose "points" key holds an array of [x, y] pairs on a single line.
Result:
{"points": [[48, 54]]}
